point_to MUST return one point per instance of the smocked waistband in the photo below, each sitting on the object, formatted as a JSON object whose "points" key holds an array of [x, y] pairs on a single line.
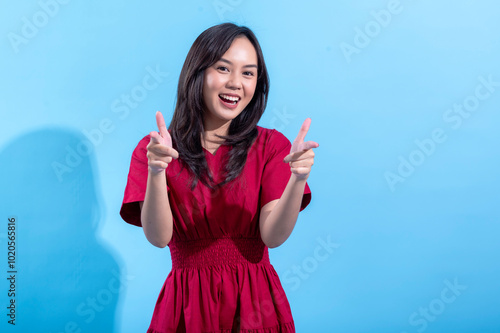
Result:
{"points": [[217, 252]]}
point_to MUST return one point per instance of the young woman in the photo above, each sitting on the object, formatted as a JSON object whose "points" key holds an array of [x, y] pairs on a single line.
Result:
{"points": [[219, 191]]}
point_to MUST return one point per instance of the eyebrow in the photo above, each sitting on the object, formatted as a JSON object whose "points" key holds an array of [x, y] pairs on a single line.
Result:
{"points": [[230, 63]]}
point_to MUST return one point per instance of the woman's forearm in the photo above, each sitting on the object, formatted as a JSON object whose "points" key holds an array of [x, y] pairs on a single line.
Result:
{"points": [[280, 222], [277, 223], [156, 214]]}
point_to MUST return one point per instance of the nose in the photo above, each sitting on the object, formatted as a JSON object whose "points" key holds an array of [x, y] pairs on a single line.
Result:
{"points": [[234, 81]]}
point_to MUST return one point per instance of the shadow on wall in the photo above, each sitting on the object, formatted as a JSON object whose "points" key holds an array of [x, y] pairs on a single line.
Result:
{"points": [[66, 280]]}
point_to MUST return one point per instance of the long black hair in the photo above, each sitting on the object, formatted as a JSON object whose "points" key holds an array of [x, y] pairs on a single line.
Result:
{"points": [[187, 121]]}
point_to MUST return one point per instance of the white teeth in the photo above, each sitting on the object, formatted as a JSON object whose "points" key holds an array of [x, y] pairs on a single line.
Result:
{"points": [[231, 98]]}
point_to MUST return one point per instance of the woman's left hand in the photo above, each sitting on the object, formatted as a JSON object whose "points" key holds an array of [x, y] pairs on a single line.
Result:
{"points": [[301, 157]]}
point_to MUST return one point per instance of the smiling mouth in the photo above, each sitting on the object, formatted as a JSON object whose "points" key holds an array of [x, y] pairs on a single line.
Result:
{"points": [[229, 99]]}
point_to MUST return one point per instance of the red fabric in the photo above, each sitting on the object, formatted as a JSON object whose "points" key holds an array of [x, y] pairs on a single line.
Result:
{"points": [[221, 276]]}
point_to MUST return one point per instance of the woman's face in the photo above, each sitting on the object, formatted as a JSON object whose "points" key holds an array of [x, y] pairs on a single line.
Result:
{"points": [[229, 85]]}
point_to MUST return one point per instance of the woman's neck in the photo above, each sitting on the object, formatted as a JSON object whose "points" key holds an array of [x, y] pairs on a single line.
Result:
{"points": [[211, 129]]}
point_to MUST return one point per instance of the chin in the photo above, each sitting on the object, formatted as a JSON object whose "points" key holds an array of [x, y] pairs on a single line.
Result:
{"points": [[228, 115]]}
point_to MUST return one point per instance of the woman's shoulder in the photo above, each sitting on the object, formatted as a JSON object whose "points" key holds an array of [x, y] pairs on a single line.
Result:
{"points": [[142, 144], [271, 136], [144, 141]]}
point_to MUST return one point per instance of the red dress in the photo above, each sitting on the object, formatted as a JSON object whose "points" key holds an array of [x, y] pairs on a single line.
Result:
{"points": [[221, 278]]}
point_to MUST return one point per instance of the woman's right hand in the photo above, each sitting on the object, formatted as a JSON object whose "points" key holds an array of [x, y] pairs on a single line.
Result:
{"points": [[160, 151]]}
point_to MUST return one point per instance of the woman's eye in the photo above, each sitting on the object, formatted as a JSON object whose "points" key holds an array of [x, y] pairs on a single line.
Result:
{"points": [[248, 73], [222, 68]]}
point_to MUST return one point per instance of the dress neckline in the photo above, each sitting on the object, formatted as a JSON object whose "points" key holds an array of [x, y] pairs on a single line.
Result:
{"points": [[216, 151]]}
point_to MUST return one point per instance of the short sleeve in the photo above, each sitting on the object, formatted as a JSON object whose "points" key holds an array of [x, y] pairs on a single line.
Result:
{"points": [[277, 173], [135, 190]]}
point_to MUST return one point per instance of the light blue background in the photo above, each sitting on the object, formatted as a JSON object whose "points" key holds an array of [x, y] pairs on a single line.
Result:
{"points": [[395, 249]]}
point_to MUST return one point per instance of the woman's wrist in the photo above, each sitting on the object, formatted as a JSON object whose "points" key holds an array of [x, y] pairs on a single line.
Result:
{"points": [[155, 173], [302, 179]]}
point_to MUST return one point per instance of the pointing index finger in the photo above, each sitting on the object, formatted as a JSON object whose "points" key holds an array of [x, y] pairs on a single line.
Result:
{"points": [[303, 130], [160, 122]]}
